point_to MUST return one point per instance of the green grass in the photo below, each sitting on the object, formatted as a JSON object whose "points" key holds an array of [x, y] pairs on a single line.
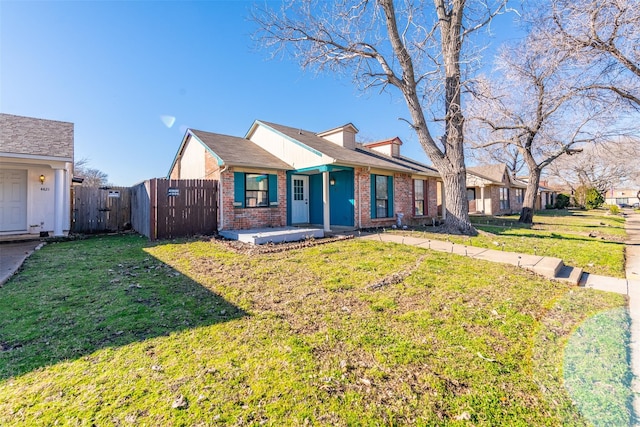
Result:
{"points": [[591, 240], [114, 330]]}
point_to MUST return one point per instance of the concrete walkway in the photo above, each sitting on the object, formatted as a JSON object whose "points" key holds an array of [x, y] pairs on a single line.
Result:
{"points": [[632, 256], [549, 267]]}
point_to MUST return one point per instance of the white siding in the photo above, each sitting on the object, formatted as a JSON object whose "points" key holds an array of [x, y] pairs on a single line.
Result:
{"points": [[40, 214], [192, 160], [287, 150]]}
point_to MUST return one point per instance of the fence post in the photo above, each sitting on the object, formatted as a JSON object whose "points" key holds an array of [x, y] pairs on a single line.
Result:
{"points": [[153, 211]]}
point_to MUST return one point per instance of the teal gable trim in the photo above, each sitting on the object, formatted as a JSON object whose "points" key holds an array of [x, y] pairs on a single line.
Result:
{"points": [[238, 188], [323, 168], [295, 141], [218, 158], [175, 158]]}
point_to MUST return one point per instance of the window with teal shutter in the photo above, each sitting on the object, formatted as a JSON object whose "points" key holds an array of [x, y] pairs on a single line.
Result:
{"points": [[255, 190], [381, 196]]}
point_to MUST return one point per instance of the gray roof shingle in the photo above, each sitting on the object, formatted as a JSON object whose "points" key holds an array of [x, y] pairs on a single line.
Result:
{"points": [[237, 151]]}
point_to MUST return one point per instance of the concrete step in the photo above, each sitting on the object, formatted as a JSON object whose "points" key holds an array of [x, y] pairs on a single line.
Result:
{"points": [[569, 274], [548, 267]]}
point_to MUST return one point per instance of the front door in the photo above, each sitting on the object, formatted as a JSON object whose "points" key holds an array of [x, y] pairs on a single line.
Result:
{"points": [[13, 200], [300, 199]]}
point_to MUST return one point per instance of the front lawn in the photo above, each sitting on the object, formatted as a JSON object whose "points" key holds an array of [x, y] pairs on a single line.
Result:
{"points": [[118, 331]]}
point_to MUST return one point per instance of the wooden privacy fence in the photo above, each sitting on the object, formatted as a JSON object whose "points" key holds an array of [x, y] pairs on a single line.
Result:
{"points": [[99, 210], [170, 208]]}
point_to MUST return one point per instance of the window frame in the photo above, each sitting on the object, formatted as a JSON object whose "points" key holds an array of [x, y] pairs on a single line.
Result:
{"points": [[504, 198], [421, 201], [519, 195], [386, 202], [264, 192], [379, 199]]}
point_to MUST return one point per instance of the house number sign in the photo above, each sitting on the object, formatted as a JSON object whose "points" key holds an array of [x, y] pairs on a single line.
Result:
{"points": [[173, 192]]}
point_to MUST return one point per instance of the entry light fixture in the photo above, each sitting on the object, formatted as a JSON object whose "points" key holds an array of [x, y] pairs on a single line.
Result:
{"points": [[332, 181], [41, 179]]}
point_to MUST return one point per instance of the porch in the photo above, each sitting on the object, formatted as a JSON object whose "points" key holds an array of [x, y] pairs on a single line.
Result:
{"points": [[260, 236]]}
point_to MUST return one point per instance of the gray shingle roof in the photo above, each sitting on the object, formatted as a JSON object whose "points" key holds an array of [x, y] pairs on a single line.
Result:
{"points": [[235, 151], [494, 173], [358, 157]]}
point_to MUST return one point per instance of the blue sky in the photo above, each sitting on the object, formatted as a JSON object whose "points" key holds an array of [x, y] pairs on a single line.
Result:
{"points": [[115, 69]]}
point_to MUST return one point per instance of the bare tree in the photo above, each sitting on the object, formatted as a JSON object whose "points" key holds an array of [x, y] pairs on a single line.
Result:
{"points": [[410, 45], [92, 177], [535, 103], [601, 166], [604, 35]]}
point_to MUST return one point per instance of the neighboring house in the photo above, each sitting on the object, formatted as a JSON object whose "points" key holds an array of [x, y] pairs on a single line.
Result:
{"points": [[491, 190], [36, 162], [546, 196], [278, 175], [622, 196]]}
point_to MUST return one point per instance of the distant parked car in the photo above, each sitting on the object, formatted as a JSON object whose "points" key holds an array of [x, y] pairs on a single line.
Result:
{"points": [[623, 205], [636, 205]]}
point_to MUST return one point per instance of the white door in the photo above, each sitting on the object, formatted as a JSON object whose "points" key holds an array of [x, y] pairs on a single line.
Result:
{"points": [[13, 200], [300, 199]]}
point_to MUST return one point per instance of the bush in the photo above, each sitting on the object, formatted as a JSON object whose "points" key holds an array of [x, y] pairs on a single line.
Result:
{"points": [[562, 201], [614, 209], [593, 199]]}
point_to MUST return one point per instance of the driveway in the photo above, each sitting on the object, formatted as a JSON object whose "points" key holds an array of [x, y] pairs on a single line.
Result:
{"points": [[12, 255]]}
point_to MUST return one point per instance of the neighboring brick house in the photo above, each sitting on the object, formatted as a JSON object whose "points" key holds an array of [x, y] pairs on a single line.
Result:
{"points": [[278, 175], [36, 164], [491, 190]]}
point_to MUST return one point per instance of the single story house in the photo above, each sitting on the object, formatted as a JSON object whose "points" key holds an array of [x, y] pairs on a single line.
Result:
{"points": [[36, 164], [622, 196], [491, 190], [277, 176]]}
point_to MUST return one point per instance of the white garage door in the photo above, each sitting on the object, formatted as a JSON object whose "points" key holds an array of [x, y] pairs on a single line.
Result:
{"points": [[13, 200]]}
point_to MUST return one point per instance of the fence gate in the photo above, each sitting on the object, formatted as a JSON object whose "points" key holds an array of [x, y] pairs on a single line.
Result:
{"points": [[183, 207], [98, 210]]}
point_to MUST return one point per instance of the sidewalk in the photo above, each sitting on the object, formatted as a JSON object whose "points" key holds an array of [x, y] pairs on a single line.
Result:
{"points": [[550, 267], [632, 256]]}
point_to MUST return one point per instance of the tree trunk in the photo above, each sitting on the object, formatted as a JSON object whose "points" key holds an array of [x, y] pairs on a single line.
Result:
{"points": [[529, 204], [456, 204]]}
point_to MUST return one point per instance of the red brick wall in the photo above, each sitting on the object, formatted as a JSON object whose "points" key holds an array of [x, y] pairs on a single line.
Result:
{"points": [[402, 200], [237, 218]]}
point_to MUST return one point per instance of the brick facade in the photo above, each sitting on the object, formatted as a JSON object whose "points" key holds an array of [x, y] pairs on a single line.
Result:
{"points": [[238, 218], [40, 137], [403, 201]]}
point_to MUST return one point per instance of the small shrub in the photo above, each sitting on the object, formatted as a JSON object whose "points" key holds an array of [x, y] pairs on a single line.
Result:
{"points": [[562, 201], [614, 209]]}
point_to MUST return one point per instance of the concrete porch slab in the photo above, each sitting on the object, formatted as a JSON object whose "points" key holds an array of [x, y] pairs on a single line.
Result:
{"points": [[261, 236]]}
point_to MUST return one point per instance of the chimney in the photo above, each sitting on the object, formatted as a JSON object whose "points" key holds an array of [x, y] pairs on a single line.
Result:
{"points": [[344, 136], [388, 147]]}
